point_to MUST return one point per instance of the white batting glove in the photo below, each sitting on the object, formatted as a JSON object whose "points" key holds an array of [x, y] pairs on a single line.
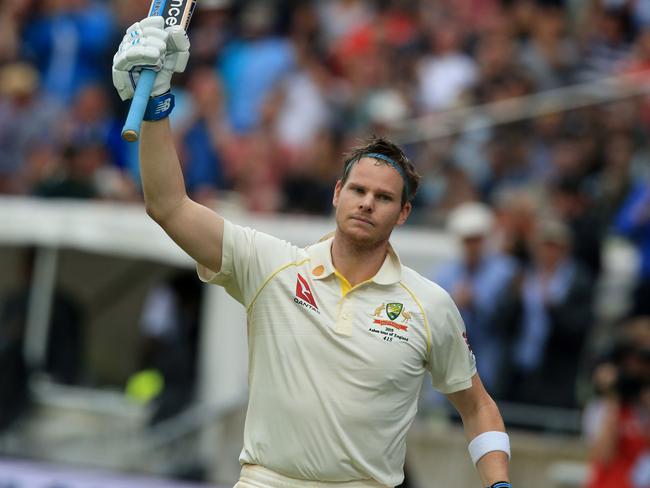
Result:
{"points": [[147, 44]]}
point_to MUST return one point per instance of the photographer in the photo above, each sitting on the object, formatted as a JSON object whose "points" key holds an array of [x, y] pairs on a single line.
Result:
{"points": [[618, 425]]}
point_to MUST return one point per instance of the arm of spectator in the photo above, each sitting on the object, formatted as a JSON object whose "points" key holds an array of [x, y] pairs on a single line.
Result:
{"points": [[634, 216], [605, 443], [574, 315]]}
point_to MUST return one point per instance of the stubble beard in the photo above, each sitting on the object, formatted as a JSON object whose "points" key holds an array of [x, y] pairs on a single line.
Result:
{"points": [[361, 243]]}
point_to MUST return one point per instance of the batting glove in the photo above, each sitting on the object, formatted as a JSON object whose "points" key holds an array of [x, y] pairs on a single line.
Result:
{"points": [[147, 44]]}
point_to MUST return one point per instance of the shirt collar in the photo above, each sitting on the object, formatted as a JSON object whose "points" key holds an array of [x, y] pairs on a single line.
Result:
{"points": [[320, 255]]}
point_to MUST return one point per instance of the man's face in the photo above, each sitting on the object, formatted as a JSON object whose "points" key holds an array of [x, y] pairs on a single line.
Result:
{"points": [[549, 254], [473, 248], [369, 204]]}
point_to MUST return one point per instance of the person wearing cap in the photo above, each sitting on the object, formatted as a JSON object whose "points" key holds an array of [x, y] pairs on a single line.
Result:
{"points": [[29, 121], [474, 280], [554, 312], [340, 334]]}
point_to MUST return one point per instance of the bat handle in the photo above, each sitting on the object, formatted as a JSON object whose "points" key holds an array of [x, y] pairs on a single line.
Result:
{"points": [[131, 129]]}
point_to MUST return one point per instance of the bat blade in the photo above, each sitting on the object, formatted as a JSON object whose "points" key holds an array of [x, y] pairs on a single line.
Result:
{"points": [[174, 12]]}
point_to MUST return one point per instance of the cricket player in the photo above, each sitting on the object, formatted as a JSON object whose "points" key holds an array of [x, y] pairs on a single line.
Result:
{"points": [[340, 334]]}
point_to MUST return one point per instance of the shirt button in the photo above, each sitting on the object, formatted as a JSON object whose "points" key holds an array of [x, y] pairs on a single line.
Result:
{"points": [[346, 315]]}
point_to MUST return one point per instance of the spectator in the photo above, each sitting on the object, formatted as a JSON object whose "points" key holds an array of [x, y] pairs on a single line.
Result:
{"points": [[473, 281], [212, 29], [28, 121], [304, 111], [549, 56], [12, 17], [76, 175], [549, 317], [91, 118], [341, 17], [515, 210], [204, 138], [169, 339], [573, 205], [70, 41], [608, 44], [447, 73], [253, 65], [617, 425], [633, 221]]}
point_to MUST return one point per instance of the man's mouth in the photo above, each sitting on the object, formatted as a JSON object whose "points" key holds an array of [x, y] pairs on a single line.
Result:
{"points": [[362, 219]]}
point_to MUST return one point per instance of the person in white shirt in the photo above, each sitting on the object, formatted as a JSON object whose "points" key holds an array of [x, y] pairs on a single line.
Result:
{"points": [[341, 334]]}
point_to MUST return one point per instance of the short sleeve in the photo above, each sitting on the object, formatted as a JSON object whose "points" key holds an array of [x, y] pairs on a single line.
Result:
{"points": [[451, 361], [248, 258]]}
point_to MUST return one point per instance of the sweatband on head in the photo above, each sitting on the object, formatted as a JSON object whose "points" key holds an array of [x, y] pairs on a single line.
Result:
{"points": [[388, 161], [488, 442]]}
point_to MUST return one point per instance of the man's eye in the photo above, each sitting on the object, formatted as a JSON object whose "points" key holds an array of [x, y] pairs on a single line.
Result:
{"points": [[385, 198]]}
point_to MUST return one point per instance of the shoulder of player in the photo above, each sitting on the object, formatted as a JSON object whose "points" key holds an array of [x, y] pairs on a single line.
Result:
{"points": [[429, 294], [269, 247]]}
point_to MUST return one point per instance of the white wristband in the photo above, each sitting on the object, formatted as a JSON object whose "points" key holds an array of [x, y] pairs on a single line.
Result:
{"points": [[488, 442]]}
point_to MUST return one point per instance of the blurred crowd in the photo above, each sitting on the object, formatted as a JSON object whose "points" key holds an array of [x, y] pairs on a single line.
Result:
{"points": [[277, 91]]}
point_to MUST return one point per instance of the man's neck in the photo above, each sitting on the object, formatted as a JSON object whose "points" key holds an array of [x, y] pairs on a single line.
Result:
{"points": [[357, 263]]}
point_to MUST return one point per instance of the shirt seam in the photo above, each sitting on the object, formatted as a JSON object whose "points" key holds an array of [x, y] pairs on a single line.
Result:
{"points": [[424, 315], [270, 278]]}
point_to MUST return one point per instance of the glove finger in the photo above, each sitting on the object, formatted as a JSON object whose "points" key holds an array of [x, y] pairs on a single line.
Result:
{"points": [[178, 40], [120, 61], [123, 83], [133, 28], [155, 43], [177, 61], [154, 33], [139, 57], [144, 55], [156, 22]]}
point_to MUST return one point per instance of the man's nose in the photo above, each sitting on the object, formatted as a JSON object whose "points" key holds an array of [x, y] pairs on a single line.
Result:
{"points": [[366, 204]]}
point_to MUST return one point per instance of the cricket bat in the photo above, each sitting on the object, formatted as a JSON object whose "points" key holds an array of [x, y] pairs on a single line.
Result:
{"points": [[175, 12]]}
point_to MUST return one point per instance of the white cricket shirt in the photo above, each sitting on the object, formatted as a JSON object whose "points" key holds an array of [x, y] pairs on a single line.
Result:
{"points": [[335, 371]]}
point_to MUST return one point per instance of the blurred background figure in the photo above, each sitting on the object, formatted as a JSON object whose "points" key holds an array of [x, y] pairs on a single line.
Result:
{"points": [[169, 328], [633, 221], [474, 280], [617, 419], [70, 43], [548, 317], [28, 121], [252, 65]]}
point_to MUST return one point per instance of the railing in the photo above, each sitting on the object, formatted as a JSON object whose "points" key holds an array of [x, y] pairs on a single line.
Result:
{"points": [[465, 119]]}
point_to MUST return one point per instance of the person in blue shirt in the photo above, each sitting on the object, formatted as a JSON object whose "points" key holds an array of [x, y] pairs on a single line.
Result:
{"points": [[474, 280], [70, 43], [633, 221], [252, 65]]}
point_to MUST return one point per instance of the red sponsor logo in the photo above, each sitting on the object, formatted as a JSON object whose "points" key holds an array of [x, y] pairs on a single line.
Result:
{"points": [[303, 291], [389, 323]]}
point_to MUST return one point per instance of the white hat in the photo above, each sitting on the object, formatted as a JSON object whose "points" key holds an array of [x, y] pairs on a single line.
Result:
{"points": [[471, 219]]}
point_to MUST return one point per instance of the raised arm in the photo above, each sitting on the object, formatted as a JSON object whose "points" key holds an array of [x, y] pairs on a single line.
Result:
{"points": [[195, 228], [489, 446]]}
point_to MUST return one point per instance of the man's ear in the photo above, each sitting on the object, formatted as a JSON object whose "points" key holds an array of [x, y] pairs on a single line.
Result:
{"points": [[404, 213], [337, 193]]}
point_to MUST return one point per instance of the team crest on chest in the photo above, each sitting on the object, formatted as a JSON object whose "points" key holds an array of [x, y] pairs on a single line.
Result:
{"points": [[393, 310], [390, 321]]}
